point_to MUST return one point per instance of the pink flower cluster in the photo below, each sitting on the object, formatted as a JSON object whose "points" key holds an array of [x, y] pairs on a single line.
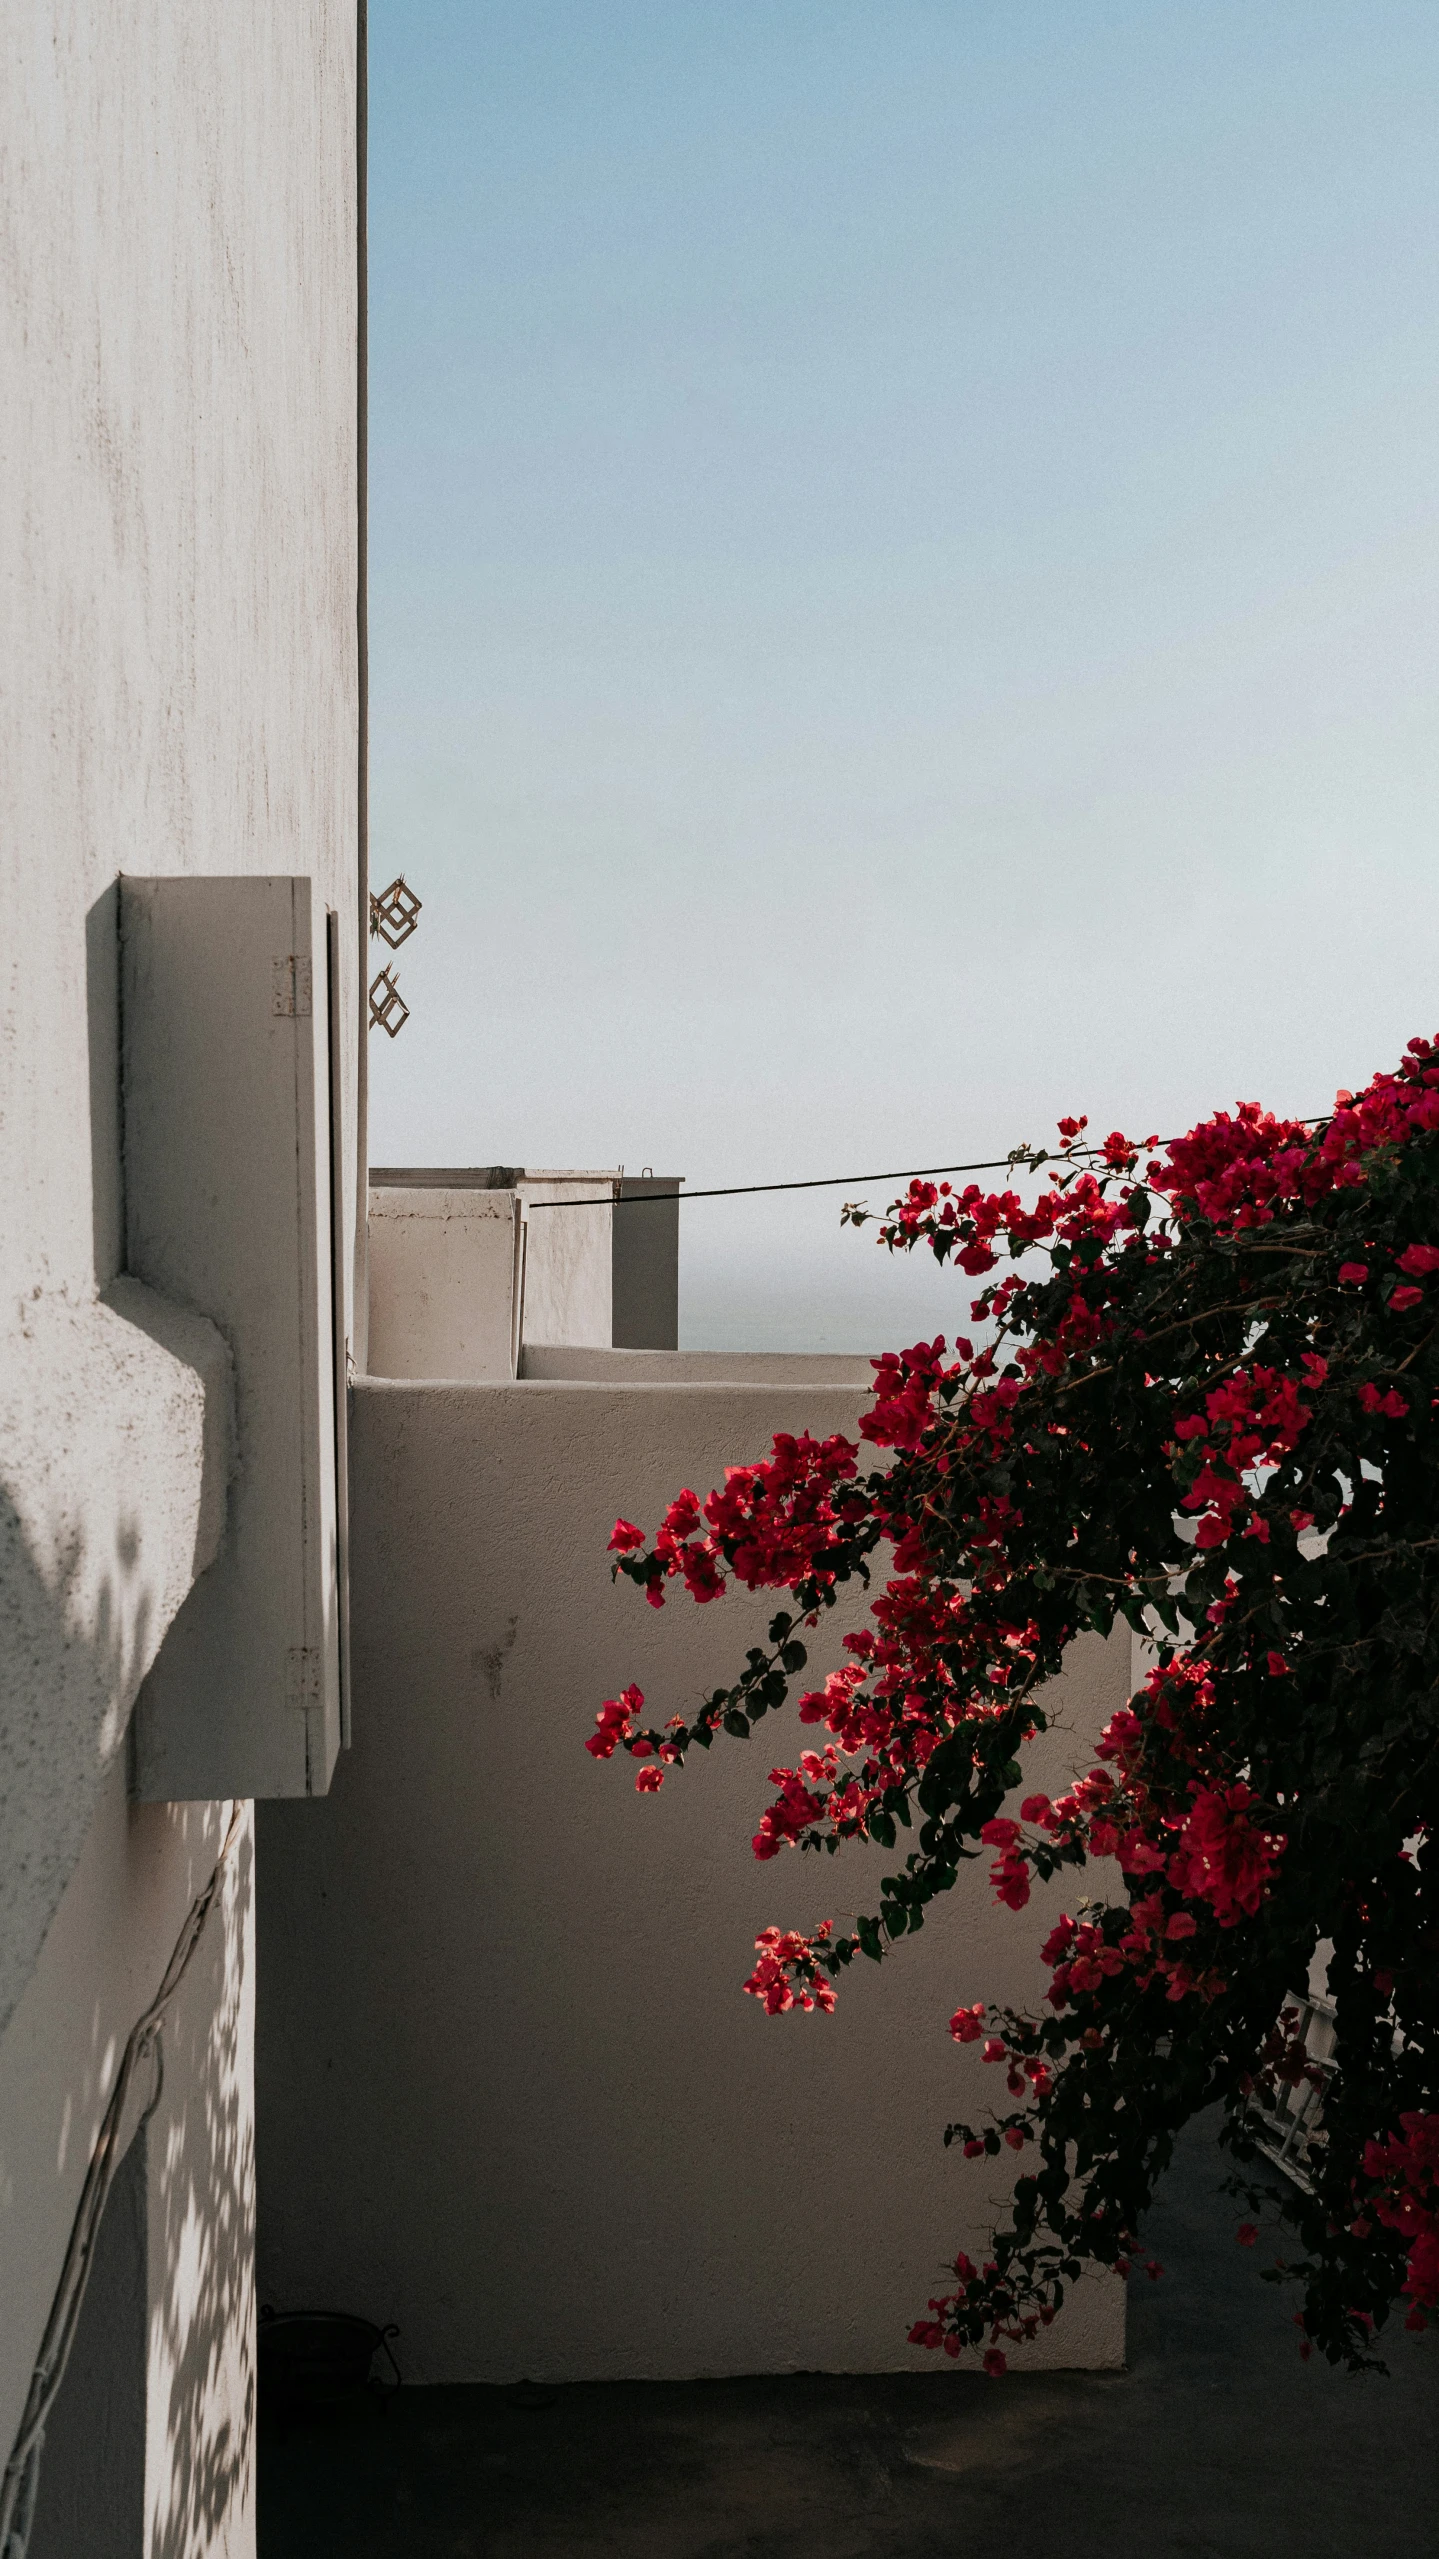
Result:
{"points": [[615, 1724], [1405, 2198], [904, 1392], [773, 1524], [1211, 1852], [978, 2285], [1249, 1421], [1239, 1169], [812, 1793], [971, 1222], [787, 1974], [1223, 1854]]}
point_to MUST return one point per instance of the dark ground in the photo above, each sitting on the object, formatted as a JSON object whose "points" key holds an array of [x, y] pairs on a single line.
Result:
{"points": [[1218, 2443]]}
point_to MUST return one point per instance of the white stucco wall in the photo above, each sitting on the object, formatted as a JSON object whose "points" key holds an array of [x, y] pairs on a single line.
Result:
{"points": [[569, 1258], [511, 2094], [178, 524], [445, 1270], [115, 1449], [178, 583], [138, 1873], [465, 1281]]}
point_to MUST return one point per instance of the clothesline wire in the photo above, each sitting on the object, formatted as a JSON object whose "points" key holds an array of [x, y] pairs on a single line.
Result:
{"points": [[823, 1181]]}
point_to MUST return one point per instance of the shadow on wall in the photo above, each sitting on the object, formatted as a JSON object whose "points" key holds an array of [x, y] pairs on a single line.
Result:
{"points": [[57, 1733], [55, 1613], [158, 2403], [74, 1643], [115, 1449], [92, 2472], [201, 2362], [159, 2397]]}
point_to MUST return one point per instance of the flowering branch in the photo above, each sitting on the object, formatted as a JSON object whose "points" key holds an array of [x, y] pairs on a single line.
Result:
{"points": [[1250, 1479]]}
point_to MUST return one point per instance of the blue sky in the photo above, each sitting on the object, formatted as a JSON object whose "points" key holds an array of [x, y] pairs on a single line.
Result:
{"points": [[903, 556]]}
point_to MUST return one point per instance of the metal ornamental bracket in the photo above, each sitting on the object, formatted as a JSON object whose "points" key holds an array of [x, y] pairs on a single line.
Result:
{"points": [[388, 1009], [394, 914]]}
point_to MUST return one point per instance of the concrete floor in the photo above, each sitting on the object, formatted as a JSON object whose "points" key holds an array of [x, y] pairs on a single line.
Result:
{"points": [[1217, 2444]]}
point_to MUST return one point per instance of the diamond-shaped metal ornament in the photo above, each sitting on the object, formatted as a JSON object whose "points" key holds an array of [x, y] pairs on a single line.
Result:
{"points": [[388, 1010], [394, 912]]}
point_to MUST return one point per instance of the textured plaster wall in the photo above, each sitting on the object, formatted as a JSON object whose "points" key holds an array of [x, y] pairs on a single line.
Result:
{"points": [[569, 1258], [178, 577], [456, 1283], [444, 1274], [140, 1868], [115, 1449], [177, 415], [177, 627], [511, 2094]]}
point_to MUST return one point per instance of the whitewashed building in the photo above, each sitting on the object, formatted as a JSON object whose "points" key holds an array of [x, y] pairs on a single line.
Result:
{"points": [[181, 895], [502, 2051]]}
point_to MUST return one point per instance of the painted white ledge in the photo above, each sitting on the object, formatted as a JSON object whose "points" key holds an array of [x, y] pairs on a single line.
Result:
{"points": [[578, 1364], [115, 1450]]}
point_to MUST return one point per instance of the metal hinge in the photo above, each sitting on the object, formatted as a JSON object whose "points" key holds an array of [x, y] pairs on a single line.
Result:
{"points": [[293, 995], [303, 1668]]}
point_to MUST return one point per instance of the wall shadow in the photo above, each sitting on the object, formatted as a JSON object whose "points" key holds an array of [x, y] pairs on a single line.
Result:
{"points": [[50, 1729], [92, 2471], [201, 2378], [158, 2403]]}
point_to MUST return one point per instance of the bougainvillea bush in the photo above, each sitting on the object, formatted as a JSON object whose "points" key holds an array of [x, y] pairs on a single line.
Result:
{"points": [[1202, 1396]]}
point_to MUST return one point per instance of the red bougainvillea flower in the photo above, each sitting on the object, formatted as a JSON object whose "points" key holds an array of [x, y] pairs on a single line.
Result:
{"points": [[616, 1720], [1374, 1400], [1198, 1401]]}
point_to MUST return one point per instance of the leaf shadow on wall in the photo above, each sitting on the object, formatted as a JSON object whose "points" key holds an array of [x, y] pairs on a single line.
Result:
{"points": [[159, 2398]]}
